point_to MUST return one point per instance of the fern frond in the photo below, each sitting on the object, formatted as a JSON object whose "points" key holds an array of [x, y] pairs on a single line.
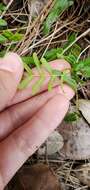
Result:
{"points": [[63, 76]]}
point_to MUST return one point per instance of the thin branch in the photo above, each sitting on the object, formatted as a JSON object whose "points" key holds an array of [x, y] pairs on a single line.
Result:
{"points": [[43, 40], [78, 38], [7, 7], [50, 41], [83, 52]]}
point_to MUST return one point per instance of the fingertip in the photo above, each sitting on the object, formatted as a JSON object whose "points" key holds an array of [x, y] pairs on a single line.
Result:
{"points": [[66, 91], [60, 64], [13, 63], [11, 70]]}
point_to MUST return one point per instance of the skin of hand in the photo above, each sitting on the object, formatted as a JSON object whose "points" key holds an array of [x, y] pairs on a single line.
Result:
{"points": [[26, 121]]}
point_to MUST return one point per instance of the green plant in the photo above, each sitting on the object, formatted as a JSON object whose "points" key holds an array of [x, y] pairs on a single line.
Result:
{"points": [[2, 7], [8, 36], [3, 23], [59, 7], [79, 68], [71, 117]]}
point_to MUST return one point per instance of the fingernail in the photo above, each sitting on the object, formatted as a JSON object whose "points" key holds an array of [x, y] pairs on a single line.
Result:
{"points": [[11, 62]]}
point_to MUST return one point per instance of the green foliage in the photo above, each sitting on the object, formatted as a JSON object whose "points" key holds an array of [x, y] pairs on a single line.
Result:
{"points": [[50, 71], [2, 7], [52, 54], [3, 23], [37, 62], [71, 59], [8, 36], [2, 53], [27, 68], [12, 36], [59, 7], [83, 68], [38, 84], [2, 39], [71, 38], [46, 65], [75, 51], [28, 60], [69, 80], [71, 117], [79, 68], [24, 83], [17, 37]]}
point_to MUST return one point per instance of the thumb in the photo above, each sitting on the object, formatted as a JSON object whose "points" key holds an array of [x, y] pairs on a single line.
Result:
{"points": [[11, 70]]}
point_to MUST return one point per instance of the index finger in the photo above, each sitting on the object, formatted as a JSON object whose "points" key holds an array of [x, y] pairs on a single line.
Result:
{"points": [[11, 70], [21, 95]]}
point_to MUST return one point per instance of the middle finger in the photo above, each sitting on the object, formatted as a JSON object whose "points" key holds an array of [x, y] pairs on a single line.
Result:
{"points": [[17, 115], [26, 93]]}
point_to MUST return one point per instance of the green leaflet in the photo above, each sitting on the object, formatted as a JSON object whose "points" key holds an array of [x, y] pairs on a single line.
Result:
{"points": [[56, 73], [38, 84], [2, 7], [2, 53], [87, 72], [71, 38], [28, 60], [71, 59], [2, 39], [82, 64], [11, 36], [8, 34], [50, 84], [83, 67], [52, 54], [70, 81], [17, 37], [37, 62], [46, 65], [24, 83], [59, 7], [3, 23], [27, 68], [75, 50]]}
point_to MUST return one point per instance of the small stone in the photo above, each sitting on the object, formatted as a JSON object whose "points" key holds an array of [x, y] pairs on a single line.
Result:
{"points": [[84, 107], [54, 144], [76, 140]]}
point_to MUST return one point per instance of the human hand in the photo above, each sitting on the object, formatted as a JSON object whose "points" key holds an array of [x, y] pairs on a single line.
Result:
{"points": [[26, 121]]}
